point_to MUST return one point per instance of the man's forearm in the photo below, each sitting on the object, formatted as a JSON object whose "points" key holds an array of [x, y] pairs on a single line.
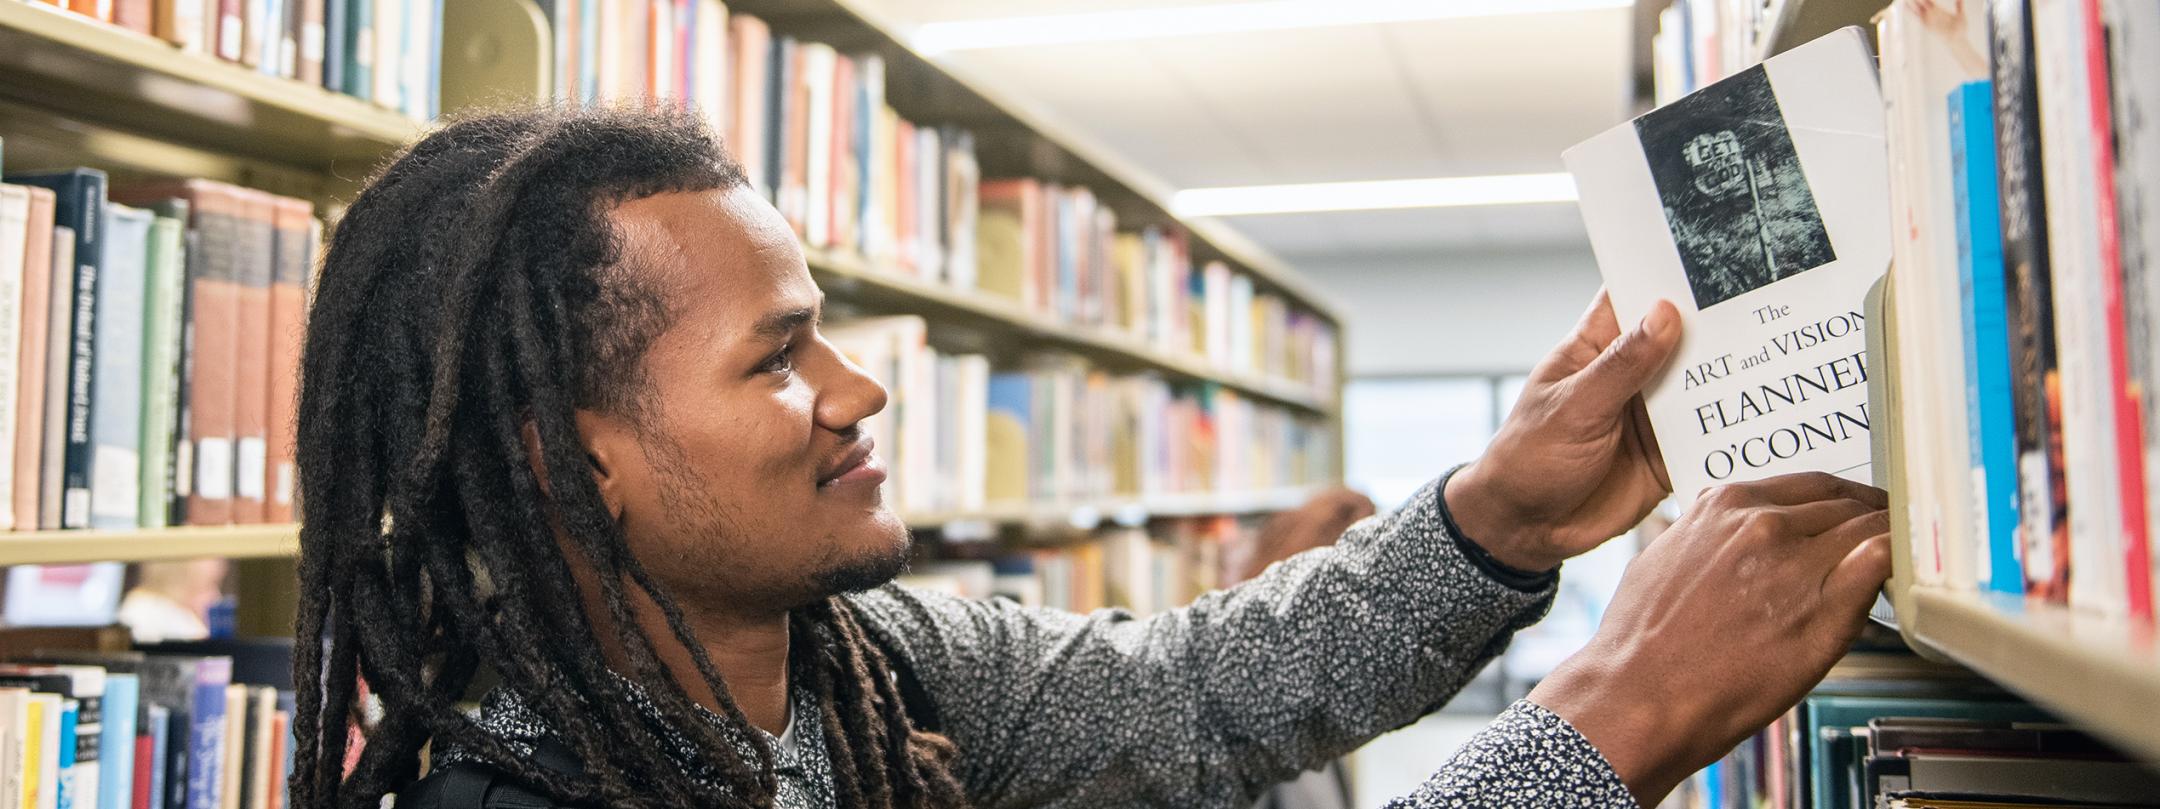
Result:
{"points": [[1528, 757]]}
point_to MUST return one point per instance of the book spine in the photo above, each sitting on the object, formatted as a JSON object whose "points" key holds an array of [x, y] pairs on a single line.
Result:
{"points": [[116, 748], [336, 40], [161, 345], [288, 300], [1989, 410], [359, 48], [2135, 33], [14, 255], [82, 356], [311, 39], [2123, 442], [206, 737], [212, 361], [52, 451], [251, 377], [30, 360], [2043, 531], [135, 15], [116, 419], [229, 22]]}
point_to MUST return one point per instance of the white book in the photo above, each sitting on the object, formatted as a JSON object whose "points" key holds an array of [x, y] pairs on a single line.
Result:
{"points": [[52, 468], [117, 386], [709, 77], [818, 59], [14, 723], [389, 72], [973, 406], [2068, 169], [1766, 237], [14, 235], [2135, 26]]}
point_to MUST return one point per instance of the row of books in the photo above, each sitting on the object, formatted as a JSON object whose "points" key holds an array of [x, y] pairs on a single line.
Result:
{"points": [[166, 726], [149, 348], [1698, 42], [813, 130], [1145, 569], [2023, 139], [961, 435], [385, 51], [1901, 734], [2026, 158]]}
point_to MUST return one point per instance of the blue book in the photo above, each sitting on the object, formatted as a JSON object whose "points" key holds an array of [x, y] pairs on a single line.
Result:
{"points": [[70, 786], [1993, 430], [334, 45], [80, 207], [433, 80], [116, 390], [116, 747], [206, 738], [156, 721], [588, 50]]}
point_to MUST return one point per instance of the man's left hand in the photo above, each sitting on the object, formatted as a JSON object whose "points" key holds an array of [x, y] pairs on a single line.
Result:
{"points": [[1575, 464]]}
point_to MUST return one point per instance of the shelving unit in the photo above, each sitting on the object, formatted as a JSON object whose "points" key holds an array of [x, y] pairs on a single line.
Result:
{"points": [[2100, 672], [73, 90]]}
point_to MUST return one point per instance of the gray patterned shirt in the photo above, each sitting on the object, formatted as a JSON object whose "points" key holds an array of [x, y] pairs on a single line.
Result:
{"points": [[1208, 705]]}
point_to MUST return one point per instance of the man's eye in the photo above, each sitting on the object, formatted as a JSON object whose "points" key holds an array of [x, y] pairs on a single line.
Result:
{"points": [[780, 362]]}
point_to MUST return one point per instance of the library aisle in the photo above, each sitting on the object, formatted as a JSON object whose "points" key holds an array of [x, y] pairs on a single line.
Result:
{"points": [[1159, 293]]}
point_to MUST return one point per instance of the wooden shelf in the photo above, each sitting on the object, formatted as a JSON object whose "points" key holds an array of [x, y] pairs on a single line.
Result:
{"points": [[66, 547], [2101, 673], [111, 75], [283, 541], [1119, 511], [849, 277], [1020, 138], [1790, 23]]}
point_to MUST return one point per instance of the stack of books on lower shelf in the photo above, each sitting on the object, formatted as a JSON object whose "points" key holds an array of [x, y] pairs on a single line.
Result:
{"points": [[149, 344], [961, 435], [193, 725], [1890, 731]]}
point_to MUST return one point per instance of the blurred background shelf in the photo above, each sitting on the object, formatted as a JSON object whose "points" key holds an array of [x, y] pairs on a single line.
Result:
{"points": [[1120, 511], [232, 542], [109, 75]]}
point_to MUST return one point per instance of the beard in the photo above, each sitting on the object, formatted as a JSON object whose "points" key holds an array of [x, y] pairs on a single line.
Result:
{"points": [[865, 571]]}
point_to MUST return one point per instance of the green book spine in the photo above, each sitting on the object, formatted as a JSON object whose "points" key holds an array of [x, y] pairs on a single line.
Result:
{"points": [[161, 358]]}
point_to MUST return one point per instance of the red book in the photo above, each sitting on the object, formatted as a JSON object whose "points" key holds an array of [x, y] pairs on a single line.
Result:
{"points": [[280, 724], [904, 227], [750, 54], [135, 15], [231, 30], [295, 220], [211, 352], [145, 759], [795, 173], [840, 198], [251, 368], [30, 386], [2129, 443]]}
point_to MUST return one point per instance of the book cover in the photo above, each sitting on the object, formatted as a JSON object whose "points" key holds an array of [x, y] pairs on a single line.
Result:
{"points": [[1991, 429], [163, 308], [59, 348], [2043, 507], [14, 254], [2134, 29], [1765, 237], [80, 206], [288, 307], [31, 360], [116, 417]]}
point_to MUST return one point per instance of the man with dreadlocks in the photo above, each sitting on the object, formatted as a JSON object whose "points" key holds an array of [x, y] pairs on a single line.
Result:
{"points": [[567, 419]]}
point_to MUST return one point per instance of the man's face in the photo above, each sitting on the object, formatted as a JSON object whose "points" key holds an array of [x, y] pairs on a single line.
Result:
{"points": [[741, 479]]}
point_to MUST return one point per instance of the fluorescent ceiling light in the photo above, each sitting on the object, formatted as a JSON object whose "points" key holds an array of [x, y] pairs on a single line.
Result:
{"points": [[1224, 18], [1431, 192]]}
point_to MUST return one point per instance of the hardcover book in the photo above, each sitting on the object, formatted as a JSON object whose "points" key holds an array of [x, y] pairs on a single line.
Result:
{"points": [[1765, 236], [14, 252], [81, 207], [116, 419], [30, 382]]}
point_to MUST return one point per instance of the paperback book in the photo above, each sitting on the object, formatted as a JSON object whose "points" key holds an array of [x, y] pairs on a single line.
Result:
{"points": [[1758, 206]]}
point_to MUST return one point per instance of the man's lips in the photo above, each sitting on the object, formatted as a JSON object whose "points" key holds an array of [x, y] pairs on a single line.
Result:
{"points": [[857, 465]]}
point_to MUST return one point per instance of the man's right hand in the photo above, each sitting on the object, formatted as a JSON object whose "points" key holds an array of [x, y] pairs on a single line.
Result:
{"points": [[1723, 623]]}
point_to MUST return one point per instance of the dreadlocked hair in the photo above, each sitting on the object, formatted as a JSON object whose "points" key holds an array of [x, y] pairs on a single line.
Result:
{"points": [[474, 288]]}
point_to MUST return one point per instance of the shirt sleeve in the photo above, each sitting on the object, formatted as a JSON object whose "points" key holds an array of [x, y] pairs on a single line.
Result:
{"points": [[1208, 704], [1527, 757]]}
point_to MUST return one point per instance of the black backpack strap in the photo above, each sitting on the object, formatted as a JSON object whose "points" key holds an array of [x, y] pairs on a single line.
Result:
{"points": [[473, 785]]}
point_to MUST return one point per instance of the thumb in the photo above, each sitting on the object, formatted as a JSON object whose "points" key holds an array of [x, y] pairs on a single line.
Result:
{"points": [[1625, 366], [1851, 585]]}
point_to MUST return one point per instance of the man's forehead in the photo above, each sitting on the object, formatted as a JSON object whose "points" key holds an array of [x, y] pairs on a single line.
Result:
{"points": [[724, 249]]}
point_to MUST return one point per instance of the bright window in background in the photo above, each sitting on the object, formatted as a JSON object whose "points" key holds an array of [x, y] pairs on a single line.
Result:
{"points": [[1401, 432]]}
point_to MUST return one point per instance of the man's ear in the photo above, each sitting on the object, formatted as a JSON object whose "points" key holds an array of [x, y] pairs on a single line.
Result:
{"points": [[601, 438]]}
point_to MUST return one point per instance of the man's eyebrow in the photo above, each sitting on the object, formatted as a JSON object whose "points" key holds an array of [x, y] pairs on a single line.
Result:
{"points": [[778, 325]]}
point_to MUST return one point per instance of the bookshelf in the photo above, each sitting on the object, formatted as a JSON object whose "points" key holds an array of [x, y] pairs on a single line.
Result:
{"points": [[2100, 672], [77, 91]]}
